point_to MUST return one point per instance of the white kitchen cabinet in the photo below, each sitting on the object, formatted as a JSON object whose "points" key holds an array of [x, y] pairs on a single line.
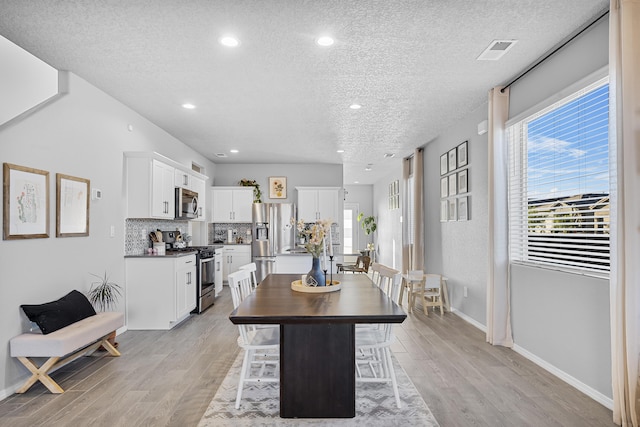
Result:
{"points": [[160, 291], [150, 188], [231, 204], [183, 179], [198, 185], [316, 203], [233, 257]]}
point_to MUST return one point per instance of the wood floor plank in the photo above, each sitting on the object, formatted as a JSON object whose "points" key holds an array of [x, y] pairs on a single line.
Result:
{"points": [[168, 378]]}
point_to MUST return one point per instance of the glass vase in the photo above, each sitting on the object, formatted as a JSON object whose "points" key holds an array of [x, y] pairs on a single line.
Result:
{"points": [[316, 277]]}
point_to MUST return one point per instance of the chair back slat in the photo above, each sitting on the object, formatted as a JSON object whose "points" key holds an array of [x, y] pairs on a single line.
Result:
{"points": [[252, 268], [389, 281], [240, 285]]}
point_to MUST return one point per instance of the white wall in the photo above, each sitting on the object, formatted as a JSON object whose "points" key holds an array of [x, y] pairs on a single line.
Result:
{"points": [[458, 249], [363, 196], [389, 234], [82, 134]]}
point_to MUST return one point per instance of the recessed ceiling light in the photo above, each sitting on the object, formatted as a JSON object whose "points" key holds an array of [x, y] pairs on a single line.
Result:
{"points": [[340, 151], [324, 41], [188, 106], [369, 167], [356, 182], [234, 151], [355, 106], [229, 41]]}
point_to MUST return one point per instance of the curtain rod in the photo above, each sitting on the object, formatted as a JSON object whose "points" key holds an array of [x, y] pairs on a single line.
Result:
{"points": [[557, 48]]}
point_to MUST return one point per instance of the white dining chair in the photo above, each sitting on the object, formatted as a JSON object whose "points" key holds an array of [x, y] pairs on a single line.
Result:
{"points": [[373, 345], [252, 268], [261, 362]]}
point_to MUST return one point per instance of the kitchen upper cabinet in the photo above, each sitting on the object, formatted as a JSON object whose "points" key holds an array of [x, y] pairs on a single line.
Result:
{"points": [[150, 188], [316, 203], [231, 204], [233, 257], [161, 291], [198, 185], [151, 180]]}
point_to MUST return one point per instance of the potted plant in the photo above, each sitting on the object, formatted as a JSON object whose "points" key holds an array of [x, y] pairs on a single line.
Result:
{"points": [[257, 193], [104, 295], [368, 224]]}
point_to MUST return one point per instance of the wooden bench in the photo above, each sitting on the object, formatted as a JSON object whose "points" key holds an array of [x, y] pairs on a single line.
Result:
{"points": [[64, 346]]}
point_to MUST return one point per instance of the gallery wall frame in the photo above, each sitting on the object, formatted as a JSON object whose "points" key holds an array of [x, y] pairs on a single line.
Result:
{"points": [[453, 162], [277, 187], [25, 194], [444, 211], [72, 206], [463, 208], [453, 184], [452, 209], [444, 164], [462, 154], [463, 181]]}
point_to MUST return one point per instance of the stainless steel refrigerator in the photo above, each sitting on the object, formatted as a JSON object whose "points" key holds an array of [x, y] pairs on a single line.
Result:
{"points": [[272, 234]]}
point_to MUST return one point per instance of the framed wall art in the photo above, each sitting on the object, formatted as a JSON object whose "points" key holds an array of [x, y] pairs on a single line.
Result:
{"points": [[277, 187], [453, 184], [463, 208], [72, 206], [453, 209], [463, 181], [25, 202], [444, 164], [443, 210], [444, 187], [453, 162], [462, 154]]}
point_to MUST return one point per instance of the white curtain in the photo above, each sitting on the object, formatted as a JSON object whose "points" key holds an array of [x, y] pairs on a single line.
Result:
{"points": [[498, 291], [418, 214], [624, 87], [413, 228]]}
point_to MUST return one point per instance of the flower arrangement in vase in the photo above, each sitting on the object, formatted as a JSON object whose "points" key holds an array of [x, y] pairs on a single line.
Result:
{"points": [[314, 236]]}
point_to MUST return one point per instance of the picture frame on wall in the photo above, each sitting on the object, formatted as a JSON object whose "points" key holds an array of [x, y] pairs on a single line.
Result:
{"points": [[277, 187], [444, 187], [452, 209], [443, 210], [72, 206], [462, 154], [463, 208], [444, 164], [463, 181], [453, 184], [25, 202], [453, 162]]}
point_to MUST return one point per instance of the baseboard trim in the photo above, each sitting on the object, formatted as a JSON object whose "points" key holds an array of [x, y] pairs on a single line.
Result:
{"points": [[468, 319], [572, 381]]}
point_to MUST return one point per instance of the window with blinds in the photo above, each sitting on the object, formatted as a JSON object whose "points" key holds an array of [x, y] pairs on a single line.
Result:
{"points": [[559, 183]]}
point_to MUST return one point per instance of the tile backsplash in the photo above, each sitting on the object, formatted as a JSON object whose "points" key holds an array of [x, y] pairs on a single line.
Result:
{"points": [[218, 231], [136, 240]]}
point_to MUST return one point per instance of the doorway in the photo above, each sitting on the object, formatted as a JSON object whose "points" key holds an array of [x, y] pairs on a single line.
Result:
{"points": [[350, 221]]}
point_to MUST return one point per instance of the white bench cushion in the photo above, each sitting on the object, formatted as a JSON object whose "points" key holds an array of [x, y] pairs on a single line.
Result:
{"points": [[68, 339]]}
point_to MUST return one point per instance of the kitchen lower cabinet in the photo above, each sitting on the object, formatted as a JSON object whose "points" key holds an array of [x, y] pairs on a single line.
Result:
{"points": [[233, 257], [293, 264], [160, 291]]}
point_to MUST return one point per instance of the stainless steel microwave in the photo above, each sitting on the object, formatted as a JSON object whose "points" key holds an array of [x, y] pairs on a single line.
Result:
{"points": [[186, 204]]}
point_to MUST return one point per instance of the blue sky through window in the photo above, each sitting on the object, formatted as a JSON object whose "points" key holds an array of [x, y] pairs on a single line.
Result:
{"points": [[568, 148]]}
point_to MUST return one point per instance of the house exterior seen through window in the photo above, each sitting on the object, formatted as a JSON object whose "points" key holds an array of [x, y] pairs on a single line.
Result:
{"points": [[559, 183]]}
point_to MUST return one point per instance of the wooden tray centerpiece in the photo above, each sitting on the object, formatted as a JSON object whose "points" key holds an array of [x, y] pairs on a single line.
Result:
{"points": [[332, 286]]}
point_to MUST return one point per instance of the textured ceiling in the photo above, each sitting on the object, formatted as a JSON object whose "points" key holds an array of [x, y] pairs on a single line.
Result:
{"points": [[280, 98]]}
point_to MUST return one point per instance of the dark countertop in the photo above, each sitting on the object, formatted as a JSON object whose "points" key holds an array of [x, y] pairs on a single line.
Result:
{"points": [[166, 255]]}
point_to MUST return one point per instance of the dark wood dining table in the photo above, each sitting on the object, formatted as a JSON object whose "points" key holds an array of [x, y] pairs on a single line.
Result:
{"points": [[317, 339]]}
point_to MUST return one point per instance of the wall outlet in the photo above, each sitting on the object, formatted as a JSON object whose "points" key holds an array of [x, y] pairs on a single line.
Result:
{"points": [[465, 291]]}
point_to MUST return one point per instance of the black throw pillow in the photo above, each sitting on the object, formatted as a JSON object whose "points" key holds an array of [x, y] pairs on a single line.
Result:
{"points": [[55, 315]]}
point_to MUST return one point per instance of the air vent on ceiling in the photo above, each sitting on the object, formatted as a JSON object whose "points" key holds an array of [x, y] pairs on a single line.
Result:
{"points": [[221, 155], [496, 50], [389, 155]]}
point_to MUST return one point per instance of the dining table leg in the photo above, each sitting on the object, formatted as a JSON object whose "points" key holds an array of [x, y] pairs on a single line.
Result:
{"points": [[317, 370]]}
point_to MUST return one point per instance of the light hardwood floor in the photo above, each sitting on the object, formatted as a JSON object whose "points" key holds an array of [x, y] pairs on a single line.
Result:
{"points": [[168, 378]]}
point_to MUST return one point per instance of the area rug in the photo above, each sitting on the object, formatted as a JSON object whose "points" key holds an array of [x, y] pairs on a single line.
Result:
{"points": [[375, 405]]}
